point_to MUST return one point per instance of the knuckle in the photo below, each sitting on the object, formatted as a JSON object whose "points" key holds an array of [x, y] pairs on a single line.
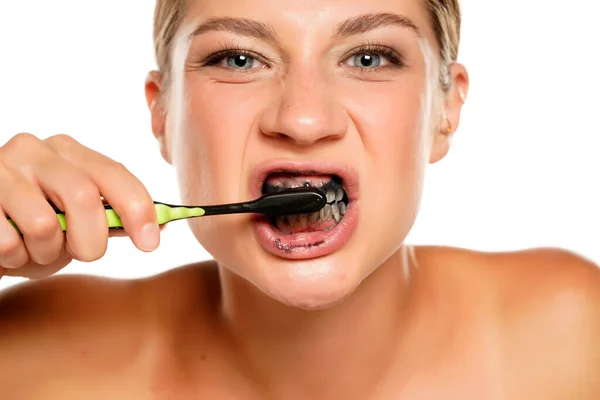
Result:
{"points": [[46, 258], [62, 144], [114, 167], [20, 142], [41, 226], [119, 167], [84, 194], [139, 209], [9, 245], [60, 139], [16, 262], [24, 139], [119, 170], [22, 152]]}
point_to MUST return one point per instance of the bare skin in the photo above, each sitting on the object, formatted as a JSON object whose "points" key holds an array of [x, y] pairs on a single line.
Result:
{"points": [[368, 319], [479, 326]]}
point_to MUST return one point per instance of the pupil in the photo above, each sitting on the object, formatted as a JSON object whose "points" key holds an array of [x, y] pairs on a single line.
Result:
{"points": [[239, 61], [367, 60]]}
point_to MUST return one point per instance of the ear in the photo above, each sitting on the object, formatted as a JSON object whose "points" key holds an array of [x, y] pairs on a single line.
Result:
{"points": [[155, 100], [454, 100]]}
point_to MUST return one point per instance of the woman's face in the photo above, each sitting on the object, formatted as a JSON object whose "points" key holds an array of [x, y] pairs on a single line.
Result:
{"points": [[268, 94]]}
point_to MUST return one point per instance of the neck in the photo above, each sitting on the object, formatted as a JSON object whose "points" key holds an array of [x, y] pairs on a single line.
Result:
{"points": [[314, 353]]}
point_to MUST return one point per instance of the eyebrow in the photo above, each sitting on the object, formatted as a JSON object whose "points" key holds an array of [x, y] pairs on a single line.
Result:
{"points": [[369, 22], [239, 26], [260, 30]]}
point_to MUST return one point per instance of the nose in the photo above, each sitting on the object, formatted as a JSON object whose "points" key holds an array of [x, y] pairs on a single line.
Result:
{"points": [[304, 110]]}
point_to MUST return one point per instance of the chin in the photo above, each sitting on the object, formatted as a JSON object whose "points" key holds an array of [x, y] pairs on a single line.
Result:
{"points": [[315, 284]]}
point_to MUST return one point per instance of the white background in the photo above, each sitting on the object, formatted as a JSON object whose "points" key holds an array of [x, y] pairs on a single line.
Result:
{"points": [[523, 170]]}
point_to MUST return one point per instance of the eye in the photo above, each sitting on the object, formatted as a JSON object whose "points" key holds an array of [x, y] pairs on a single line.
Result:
{"points": [[373, 58], [241, 61], [235, 59], [366, 60]]}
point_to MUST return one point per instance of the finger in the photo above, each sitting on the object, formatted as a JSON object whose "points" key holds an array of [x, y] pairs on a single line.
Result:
{"points": [[13, 253], [78, 196], [123, 233], [125, 193], [31, 212], [21, 151], [32, 270]]}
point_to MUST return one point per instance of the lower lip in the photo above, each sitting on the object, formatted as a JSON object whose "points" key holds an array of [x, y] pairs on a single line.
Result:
{"points": [[306, 245]]}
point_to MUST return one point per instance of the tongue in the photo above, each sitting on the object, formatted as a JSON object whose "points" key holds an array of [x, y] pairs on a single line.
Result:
{"points": [[290, 180]]}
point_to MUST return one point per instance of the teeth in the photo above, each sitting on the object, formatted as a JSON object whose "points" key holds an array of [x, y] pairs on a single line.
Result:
{"points": [[339, 194], [280, 221], [336, 212], [330, 196], [303, 221], [325, 212], [313, 218], [292, 219]]}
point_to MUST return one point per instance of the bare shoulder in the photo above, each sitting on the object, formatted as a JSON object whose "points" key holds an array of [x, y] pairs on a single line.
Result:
{"points": [[547, 302], [548, 285], [526, 280], [70, 320], [551, 302], [28, 307], [89, 300]]}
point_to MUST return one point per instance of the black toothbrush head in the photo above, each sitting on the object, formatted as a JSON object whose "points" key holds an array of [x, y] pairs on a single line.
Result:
{"points": [[303, 200]]}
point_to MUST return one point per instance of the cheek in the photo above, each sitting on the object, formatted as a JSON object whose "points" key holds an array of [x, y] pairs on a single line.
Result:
{"points": [[389, 121], [210, 154], [218, 121], [388, 118]]}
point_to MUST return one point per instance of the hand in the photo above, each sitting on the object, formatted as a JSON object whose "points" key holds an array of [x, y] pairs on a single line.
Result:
{"points": [[74, 178]]}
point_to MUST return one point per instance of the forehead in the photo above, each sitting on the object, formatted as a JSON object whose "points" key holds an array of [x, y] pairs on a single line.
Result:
{"points": [[305, 17]]}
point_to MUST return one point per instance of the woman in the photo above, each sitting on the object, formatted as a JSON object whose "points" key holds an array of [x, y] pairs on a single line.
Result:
{"points": [[356, 95]]}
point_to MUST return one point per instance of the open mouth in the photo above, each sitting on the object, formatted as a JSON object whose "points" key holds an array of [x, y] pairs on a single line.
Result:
{"points": [[325, 219], [305, 236]]}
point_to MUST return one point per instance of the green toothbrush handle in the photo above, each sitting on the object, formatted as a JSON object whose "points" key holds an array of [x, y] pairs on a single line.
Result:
{"points": [[164, 213]]}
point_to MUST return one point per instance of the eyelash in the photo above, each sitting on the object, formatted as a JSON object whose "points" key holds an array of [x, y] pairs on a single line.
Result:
{"points": [[219, 56], [394, 58]]}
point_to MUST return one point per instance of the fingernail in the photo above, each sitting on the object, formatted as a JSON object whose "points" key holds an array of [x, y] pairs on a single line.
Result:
{"points": [[149, 237]]}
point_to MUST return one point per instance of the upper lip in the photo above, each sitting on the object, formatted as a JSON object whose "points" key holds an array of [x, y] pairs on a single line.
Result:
{"points": [[347, 173]]}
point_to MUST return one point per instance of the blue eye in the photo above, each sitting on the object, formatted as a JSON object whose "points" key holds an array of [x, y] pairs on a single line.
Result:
{"points": [[235, 59], [366, 60], [373, 57], [240, 61]]}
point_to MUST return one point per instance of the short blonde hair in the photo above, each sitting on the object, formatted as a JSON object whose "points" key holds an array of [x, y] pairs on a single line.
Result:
{"points": [[445, 19]]}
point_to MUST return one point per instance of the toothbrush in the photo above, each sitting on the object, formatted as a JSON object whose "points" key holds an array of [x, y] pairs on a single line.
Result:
{"points": [[291, 201]]}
